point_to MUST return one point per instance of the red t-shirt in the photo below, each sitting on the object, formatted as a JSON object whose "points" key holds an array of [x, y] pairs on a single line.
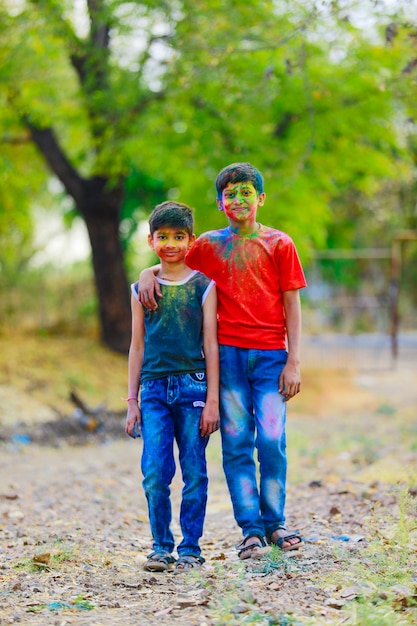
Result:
{"points": [[251, 273]]}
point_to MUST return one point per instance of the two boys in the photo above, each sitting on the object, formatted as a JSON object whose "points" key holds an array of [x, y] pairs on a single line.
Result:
{"points": [[258, 276]]}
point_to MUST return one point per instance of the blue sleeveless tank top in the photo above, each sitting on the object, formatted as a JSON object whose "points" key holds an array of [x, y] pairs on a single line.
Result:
{"points": [[174, 332]]}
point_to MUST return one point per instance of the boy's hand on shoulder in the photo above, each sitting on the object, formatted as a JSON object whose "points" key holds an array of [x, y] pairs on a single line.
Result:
{"points": [[148, 287], [210, 420], [290, 381]]}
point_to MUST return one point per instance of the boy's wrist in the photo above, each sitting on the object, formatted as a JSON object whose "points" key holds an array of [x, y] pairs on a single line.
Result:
{"points": [[294, 359], [214, 401]]}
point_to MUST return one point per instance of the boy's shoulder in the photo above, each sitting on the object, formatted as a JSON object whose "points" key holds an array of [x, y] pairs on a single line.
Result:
{"points": [[263, 229], [214, 235], [200, 278], [275, 237], [195, 277]]}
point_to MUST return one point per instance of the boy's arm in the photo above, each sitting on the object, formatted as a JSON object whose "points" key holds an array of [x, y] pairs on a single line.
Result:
{"points": [[148, 286], [290, 379], [210, 418], [136, 349]]}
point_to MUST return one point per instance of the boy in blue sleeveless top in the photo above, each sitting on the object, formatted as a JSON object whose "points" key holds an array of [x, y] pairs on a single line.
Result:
{"points": [[174, 363]]}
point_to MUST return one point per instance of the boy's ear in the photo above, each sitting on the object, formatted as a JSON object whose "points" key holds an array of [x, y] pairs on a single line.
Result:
{"points": [[261, 199], [191, 240], [150, 241], [219, 204]]}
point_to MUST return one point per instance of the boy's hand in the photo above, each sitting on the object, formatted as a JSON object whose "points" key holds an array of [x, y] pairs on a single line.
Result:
{"points": [[289, 381], [147, 288], [133, 420], [210, 420]]}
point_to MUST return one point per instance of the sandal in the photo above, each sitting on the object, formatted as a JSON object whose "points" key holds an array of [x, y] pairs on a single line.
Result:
{"points": [[284, 539], [188, 562], [251, 549], [158, 561]]}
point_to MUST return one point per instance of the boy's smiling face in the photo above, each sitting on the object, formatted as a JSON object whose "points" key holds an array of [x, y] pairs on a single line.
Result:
{"points": [[240, 202], [170, 244]]}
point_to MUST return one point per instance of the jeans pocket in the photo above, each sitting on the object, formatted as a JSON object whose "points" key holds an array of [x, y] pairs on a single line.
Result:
{"points": [[195, 385], [199, 377], [149, 387]]}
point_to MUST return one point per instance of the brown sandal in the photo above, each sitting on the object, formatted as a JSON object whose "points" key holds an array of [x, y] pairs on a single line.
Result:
{"points": [[158, 561], [187, 562], [250, 550], [284, 539]]}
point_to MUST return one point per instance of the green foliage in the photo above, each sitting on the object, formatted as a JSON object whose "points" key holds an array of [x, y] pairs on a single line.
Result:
{"points": [[322, 129], [319, 98]]}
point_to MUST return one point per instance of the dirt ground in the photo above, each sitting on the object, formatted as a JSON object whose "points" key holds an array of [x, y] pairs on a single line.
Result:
{"points": [[73, 524]]}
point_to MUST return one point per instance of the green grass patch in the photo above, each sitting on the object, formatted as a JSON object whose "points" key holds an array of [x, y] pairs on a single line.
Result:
{"points": [[48, 560], [384, 572]]}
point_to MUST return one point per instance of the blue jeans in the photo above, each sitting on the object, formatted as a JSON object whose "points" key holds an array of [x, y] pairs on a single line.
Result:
{"points": [[253, 414], [171, 410]]}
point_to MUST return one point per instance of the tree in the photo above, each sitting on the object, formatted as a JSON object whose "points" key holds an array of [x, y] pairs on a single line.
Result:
{"points": [[65, 91], [162, 95]]}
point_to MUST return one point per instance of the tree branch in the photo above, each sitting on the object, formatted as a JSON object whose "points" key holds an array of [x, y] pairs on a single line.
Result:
{"points": [[100, 28], [45, 140]]}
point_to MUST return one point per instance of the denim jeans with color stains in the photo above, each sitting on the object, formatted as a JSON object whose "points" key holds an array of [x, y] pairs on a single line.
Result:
{"points": [[253, 415], [171, 410]]}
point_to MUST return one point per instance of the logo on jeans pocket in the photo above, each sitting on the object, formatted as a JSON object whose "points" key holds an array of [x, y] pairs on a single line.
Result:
{"points": [[200, 376]]}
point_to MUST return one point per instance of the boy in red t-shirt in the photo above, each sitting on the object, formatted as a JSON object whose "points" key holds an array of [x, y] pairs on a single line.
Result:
{"points": [[258, 276]]}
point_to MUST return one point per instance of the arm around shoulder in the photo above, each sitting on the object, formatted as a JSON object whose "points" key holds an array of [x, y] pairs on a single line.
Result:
{"points": [[148, 287]]}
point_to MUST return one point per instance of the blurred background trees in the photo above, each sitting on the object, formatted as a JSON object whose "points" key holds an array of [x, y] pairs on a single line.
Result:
{"points": [[109, 107]]}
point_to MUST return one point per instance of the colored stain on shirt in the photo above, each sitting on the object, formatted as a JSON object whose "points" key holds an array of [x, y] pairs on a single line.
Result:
{"points": [[251, 274], [174, 331]]}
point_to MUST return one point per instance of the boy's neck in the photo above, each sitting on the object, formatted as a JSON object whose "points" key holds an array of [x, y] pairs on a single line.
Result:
{"points": [[174, 271], [244, 229]]}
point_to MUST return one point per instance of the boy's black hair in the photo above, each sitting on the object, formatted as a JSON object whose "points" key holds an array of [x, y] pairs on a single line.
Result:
{"points": [[239, 173], [172, 215]]}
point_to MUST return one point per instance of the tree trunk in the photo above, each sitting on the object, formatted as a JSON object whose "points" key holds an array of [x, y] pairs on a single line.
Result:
{"points": [[101, 214], [99, 205]]}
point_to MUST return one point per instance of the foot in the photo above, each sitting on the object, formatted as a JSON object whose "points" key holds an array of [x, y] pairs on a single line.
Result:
{"points": [[285, 540], [158, 561], [250, 547], [188, 562]]}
